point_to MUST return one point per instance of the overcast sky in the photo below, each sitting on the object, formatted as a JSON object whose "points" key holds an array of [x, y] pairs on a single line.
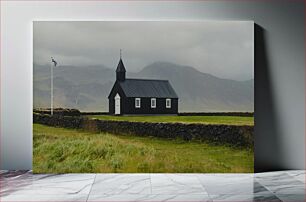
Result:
{"points": [[222, 48]]}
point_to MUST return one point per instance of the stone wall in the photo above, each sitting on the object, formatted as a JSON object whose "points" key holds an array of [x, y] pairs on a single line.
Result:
{"points": [[58, 111], [242, 136], [244, 114]]}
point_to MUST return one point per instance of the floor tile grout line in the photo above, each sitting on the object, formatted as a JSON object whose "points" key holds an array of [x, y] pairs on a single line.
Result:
{"points": [[91, 187], [271, 192], [209, 197]]}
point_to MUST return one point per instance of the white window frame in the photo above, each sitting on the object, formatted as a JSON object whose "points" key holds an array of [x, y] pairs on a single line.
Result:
{"points": [[139, 100], [168, 106], [153, 100]]}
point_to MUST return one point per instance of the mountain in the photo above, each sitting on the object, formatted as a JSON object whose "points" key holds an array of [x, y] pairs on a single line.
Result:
{"points": [[203, 92], [82, 87], [87, 88]]}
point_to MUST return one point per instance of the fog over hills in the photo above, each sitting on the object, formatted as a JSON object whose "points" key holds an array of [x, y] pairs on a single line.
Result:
{"points": [[87, 87]]}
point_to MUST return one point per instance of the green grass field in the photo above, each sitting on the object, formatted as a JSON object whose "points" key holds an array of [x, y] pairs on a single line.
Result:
{"points": [[59, 150], [228, 120]]}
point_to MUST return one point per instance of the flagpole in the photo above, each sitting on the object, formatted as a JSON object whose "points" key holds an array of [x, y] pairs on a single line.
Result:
{"points": [[51, 89]]}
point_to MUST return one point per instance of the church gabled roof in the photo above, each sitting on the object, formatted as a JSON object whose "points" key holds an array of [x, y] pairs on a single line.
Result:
{"points": [[120, 67], [147, 88]]}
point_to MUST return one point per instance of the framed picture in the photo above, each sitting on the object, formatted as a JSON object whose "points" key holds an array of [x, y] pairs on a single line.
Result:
{"points": [[143, 96]]}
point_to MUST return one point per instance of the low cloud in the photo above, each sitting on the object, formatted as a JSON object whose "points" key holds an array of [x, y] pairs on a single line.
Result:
{"points": [[222, 48]]}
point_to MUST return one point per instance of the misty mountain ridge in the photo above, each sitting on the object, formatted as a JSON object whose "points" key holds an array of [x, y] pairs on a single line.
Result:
{"points": [[87, 87]]}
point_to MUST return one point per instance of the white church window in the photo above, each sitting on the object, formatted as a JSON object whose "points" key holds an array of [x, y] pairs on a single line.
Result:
{"points": [[137, 102], [168, 103], [153, 102]]}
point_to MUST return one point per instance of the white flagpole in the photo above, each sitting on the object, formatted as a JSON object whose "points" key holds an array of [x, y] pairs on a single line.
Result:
{"points": [[51, 89]]}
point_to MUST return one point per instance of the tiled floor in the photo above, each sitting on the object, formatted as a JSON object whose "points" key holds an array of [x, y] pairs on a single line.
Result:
{"points": [[273, 186]]}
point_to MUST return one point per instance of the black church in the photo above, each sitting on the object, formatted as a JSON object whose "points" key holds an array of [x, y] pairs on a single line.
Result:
{"points": [[141, 96]]}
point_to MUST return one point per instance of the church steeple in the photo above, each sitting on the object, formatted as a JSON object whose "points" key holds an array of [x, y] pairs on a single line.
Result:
{"points": [[120, 71]]}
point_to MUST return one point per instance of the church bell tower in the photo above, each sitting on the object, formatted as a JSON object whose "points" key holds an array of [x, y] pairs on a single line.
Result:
{"points": [[120, 71]]}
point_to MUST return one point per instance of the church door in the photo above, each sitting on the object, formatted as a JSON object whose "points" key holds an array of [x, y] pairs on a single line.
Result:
{"points": [[117, 104]]}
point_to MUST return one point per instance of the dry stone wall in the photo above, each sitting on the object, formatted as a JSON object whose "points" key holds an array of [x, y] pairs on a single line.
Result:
{"points": [[242, 136]]}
